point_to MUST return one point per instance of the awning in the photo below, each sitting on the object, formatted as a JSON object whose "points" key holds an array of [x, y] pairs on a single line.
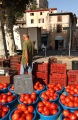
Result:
{"points": [[59, 38]]}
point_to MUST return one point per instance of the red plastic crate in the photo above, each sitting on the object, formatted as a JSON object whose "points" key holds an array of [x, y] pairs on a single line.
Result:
{"points": [[58, 78], [43, 75], [58, 68], [40, 67], [72, 77]]}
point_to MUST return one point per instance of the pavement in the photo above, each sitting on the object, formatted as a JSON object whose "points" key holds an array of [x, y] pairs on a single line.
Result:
{"points": [[62, 56]]}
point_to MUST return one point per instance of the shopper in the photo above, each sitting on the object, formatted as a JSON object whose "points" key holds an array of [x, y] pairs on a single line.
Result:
{"points": [[27, 55]]}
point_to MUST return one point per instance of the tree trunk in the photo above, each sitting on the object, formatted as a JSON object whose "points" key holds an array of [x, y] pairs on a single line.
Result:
{"points": [[3, 47], [9, 30]]}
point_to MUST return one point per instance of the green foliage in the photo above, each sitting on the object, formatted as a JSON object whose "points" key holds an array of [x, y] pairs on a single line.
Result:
{"points": [[18, 6]]}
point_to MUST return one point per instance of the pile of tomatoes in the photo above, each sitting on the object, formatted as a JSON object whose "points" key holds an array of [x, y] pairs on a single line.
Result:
{"points": [[55, 87], [28, 98], [69, 100], [3, 85], [12, 88], [6, 97], [3, 110], [72, 89], [67, 115], [23, 112], [47, 108], [38, 86], [49, 95]]}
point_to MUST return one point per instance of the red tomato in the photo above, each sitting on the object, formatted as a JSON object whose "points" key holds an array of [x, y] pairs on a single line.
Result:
{"points": [[30, 109], [62, 96], [73, 116], [40, 104], [4, 100], [29, 116], [16, 116], [5, 108], [33, 95], [48, 104], [30, 101], [3, 113], [67, 99], [66, 113], [47, 112], [53, 106], [76, 112], [54, 111], [9, 99], [40, 109], [23, 107], [21, 118], [9, 93]]}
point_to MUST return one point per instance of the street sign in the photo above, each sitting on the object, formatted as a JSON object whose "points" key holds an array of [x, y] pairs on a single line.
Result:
{"points": [[68, 28]]}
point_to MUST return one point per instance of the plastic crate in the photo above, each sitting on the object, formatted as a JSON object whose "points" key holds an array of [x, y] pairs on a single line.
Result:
{"points": [[40, 66], [43, 75], [58, 78], [72, 77], [58, 68]]}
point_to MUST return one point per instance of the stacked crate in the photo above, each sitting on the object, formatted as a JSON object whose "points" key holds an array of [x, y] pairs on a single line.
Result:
{"points": [[72, 77], [58, 74], [40, 72], [14, 60]]}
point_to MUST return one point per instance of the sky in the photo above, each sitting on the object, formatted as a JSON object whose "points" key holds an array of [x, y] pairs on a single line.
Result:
{"points": [[64, 5]]}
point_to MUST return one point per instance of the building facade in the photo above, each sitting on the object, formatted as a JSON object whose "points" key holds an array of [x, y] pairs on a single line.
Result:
{"points": [[39, 18], [61, 32]]}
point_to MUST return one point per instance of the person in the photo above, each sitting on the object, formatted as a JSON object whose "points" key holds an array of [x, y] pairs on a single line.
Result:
{"points": [[27, 54]]}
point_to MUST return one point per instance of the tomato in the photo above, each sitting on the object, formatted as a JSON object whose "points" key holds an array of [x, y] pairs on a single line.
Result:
{"points": [[21, 118], [53, 106], [26, 96], [62, 96], [47, 112], [30, 101], [40, 104], [23, 107], [9, 93], [66, 113], [16, 116], [54, 111], [71, 104], [33, 95], [4, 96], [30, 109], [73, 116], [46, 97], [3, 113], [67, 99], [66, 119], [48, 104], [5, 108], [26, 112], [76, 112], [1, 86], [4, 100], [40, 109], [9, 99], [29, 116]]}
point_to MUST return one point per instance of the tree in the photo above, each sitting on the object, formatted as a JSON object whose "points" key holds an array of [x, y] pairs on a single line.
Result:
{"points": [[12, 10]]}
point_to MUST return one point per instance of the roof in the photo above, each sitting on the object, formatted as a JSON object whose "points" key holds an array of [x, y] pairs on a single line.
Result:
{"points": [[39, 10]]}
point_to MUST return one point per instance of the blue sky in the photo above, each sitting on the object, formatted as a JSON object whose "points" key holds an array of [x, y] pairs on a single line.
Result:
{"points": [[64, 5]]}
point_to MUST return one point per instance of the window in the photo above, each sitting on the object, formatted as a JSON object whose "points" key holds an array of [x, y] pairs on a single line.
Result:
{"points": [[40, 13], [59, 28], [42, 20], [59, 18], [39, 20], [31, 14], [32, 21]]}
